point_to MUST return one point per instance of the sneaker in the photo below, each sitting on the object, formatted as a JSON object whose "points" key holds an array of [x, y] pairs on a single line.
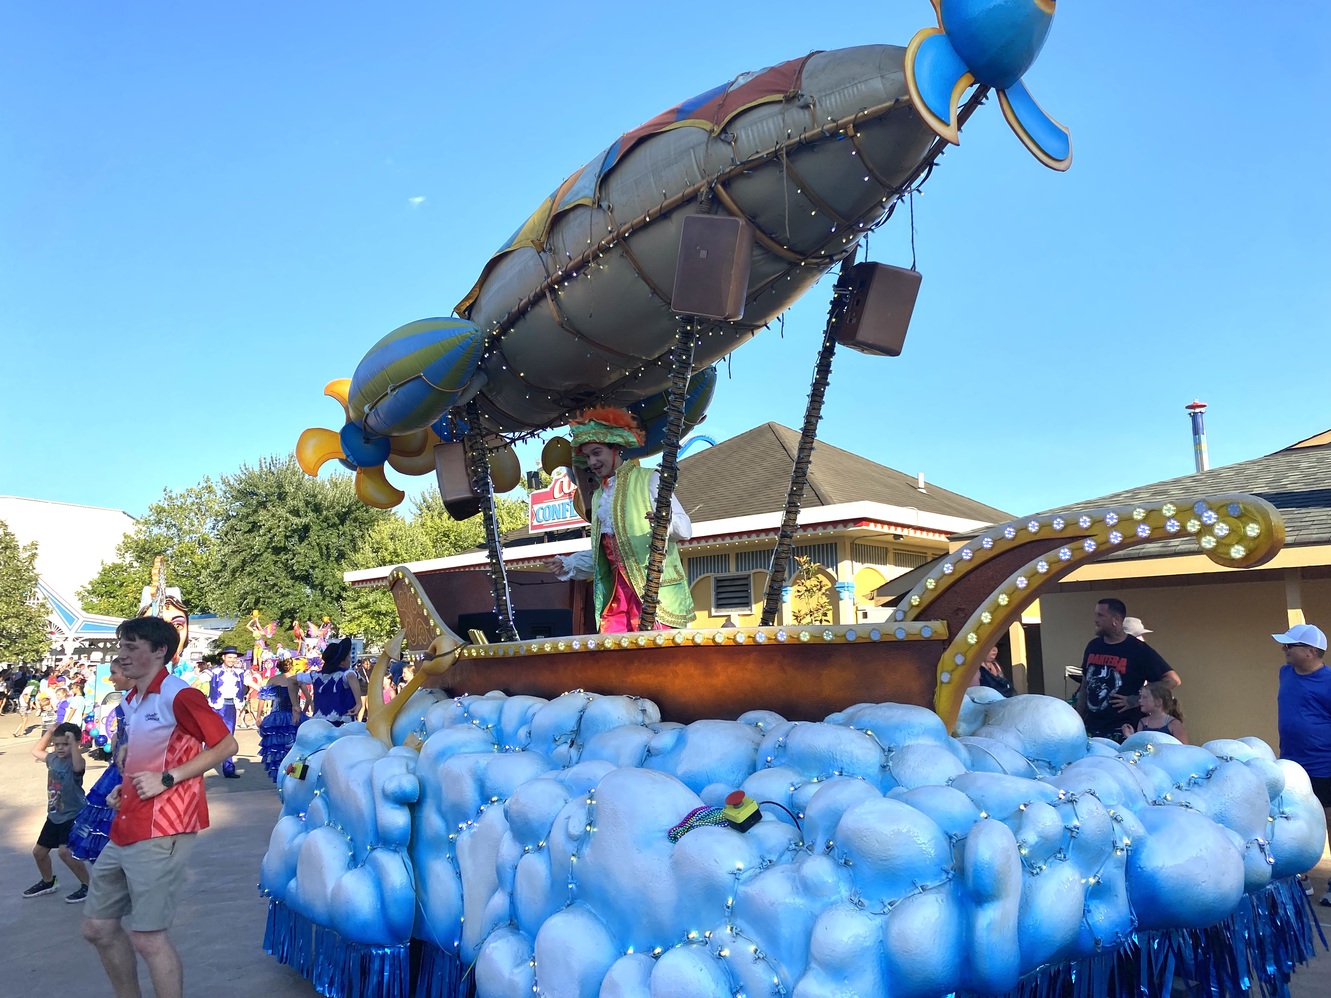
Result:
{"points": [[79, 895], [1306, 883], [40, 888], [1326, 899]]}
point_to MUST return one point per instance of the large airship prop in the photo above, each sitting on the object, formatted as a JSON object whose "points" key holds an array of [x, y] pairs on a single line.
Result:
{"points": [[575, 308]]}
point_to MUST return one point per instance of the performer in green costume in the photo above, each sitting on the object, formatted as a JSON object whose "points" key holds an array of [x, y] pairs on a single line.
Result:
{"points": [[621, 513]]}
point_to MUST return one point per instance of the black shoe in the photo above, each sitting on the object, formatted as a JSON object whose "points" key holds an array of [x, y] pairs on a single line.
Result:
{"points": [[231, 774], [40, 888], [79, 895]]}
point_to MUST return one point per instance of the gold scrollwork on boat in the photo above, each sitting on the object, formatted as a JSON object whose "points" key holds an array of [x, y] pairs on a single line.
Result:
{"points": [[1234, 531]]}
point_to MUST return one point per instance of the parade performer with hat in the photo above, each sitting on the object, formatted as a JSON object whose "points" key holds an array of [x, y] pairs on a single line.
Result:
{"points": [[336, 691], [621, 515], [226, 693]]}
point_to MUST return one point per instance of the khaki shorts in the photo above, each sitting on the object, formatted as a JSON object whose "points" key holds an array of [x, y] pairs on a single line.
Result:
{"points": [[139, 882]]}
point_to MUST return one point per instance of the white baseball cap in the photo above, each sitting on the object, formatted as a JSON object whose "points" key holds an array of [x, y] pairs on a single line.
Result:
{"points": [[1133, 627], [1303, 634]]}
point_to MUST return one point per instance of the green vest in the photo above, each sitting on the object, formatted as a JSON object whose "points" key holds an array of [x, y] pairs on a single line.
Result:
{"points": [[632, 501]]}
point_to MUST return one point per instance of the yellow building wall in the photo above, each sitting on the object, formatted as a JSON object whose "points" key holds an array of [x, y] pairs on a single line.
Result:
{"points": [[702, 603], [1217, 637]]}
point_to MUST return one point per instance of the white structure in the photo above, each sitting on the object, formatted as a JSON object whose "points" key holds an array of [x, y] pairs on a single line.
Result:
{"points": [[72, 543]]}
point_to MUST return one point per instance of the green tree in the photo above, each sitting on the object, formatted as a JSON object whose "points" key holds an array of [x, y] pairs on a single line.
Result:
{"points": [[181, 526], [446, 536], [808, 598], [242, 638], [370, 611], [429, 533], [115, 589], [284, 539], [23, 630]]}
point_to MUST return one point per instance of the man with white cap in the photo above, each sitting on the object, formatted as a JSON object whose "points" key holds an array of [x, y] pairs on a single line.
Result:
{"points": [[1134, 628], [1303, 711]]}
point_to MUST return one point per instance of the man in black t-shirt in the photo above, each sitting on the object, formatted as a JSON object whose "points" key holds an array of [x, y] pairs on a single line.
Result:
{"points": [[1114, 668]]}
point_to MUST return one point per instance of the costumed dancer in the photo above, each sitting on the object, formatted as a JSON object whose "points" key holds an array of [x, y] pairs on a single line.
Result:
{"points": [[277, 730], [226, 693], [337, 693], [92, 827], [621, 510]]}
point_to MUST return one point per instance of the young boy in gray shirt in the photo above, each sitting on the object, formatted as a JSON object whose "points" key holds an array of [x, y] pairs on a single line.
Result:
{"points": [[64, 799]]}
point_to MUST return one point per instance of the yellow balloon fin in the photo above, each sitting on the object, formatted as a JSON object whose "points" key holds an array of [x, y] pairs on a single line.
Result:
{"points": [[374, 489], [339, 389], [315, 447], [411, 444], [421, 464]]}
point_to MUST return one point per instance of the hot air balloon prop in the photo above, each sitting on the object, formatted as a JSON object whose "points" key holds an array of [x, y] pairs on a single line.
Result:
{"points": [[404, 384]]}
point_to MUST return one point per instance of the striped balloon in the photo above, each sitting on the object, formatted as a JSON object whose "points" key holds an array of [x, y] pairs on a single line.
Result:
{"points": [[410, 377], [651, 411]]}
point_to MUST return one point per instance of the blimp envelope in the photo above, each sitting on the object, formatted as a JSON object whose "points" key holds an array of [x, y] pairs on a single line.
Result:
{"points": [[572, 331]]}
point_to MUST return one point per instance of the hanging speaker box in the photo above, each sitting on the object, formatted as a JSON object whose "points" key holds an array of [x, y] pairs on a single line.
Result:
{"points": [[882, 299], [454, 480], [712, 269]]}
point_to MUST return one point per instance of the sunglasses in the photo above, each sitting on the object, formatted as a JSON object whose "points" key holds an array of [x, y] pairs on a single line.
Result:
{"points": [[1296, 644]]}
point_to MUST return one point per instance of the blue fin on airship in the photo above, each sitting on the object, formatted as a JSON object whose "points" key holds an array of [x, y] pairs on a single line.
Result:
{"points": [[936, 78], [1047, 140]]}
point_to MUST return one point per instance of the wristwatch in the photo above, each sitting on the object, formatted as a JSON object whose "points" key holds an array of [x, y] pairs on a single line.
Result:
{"points": [[168, 781]]}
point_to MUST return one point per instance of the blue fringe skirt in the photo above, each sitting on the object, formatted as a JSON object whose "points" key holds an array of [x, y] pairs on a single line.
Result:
{"points": [[277, 733], [92, 827]]}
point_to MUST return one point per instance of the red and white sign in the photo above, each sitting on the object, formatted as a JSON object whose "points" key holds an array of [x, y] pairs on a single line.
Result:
{"points": [[552, 508]]}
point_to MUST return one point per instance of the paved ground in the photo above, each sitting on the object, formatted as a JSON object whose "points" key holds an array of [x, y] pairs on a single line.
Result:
{"points": [[219, 927]]}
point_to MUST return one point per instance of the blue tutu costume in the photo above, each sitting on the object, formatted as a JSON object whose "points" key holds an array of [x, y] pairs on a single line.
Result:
{"points": [[277, 731], [92, 827]]}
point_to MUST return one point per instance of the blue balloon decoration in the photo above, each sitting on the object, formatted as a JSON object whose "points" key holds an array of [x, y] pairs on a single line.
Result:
{"points": [[101, 741], [362, 448], [449, 430], [651, 412]]}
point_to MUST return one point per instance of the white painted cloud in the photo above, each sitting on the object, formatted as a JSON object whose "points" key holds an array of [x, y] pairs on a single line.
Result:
{"points": [[417, 201]]}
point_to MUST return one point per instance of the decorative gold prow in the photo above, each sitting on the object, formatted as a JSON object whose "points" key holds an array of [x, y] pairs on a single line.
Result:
{"points": [[423, 633]]}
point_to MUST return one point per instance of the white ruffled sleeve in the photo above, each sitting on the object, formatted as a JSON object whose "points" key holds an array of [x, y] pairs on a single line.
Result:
{"points": [[577, 565], [681, 527]]}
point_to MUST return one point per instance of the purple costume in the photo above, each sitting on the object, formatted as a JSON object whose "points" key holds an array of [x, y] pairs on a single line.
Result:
{"points": [[226, 692], [277, 731]]}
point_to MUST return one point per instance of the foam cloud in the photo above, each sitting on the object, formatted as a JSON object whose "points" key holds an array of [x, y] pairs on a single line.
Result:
{"points": [[530, 838]]}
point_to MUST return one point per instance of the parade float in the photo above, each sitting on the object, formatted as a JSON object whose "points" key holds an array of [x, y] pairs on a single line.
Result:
{"points": [[814, 811]]}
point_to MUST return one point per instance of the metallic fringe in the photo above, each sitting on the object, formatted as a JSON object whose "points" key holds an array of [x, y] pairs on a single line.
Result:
{"points": [[1257, 947], [289, 938], [442, 975], [343, 969], [335, 966]]}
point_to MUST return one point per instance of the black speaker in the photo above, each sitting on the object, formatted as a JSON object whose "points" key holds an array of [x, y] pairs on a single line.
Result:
{"points": [[454, 479], [530, 624], [712, 269], [882, 299]]}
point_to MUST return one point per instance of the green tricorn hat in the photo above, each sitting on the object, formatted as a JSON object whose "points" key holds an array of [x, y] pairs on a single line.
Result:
{"points": [[604, 425]]}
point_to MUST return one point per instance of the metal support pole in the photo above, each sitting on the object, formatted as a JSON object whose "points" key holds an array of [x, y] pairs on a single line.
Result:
{"points": [[478, 461], [799, 474], [682, 355]]}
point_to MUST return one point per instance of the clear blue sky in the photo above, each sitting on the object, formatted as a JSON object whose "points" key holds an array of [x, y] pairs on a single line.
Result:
{"points": [[209, 210]]}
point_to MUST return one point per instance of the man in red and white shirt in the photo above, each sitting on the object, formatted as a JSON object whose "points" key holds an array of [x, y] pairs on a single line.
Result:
{"points": [[173, 737]]}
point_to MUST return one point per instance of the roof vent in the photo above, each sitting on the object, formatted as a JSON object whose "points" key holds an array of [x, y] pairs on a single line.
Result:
{"points": [[919, 483]]}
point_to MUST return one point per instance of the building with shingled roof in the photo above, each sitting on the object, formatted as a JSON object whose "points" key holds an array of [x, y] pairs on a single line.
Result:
{"points": [[1212, 624], [861, 523]]}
